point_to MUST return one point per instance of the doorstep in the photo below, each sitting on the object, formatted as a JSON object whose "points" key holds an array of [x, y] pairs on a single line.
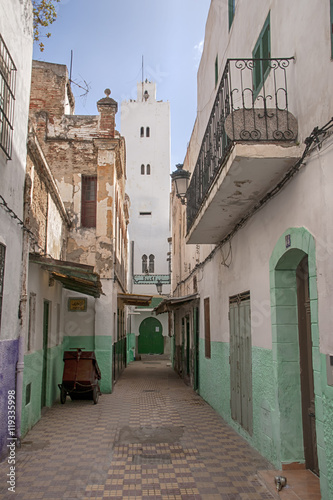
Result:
{"points": [[301, 484]]}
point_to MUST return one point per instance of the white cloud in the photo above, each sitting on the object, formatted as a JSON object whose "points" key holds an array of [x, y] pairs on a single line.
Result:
{"points": [[198, 52]]}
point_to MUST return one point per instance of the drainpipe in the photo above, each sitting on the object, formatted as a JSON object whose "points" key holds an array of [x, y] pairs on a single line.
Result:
{"points": [[22, 333]]}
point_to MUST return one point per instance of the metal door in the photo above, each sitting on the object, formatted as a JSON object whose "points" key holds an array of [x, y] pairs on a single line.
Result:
{"points": [[306, 367], [150, 339], [241, 360]]}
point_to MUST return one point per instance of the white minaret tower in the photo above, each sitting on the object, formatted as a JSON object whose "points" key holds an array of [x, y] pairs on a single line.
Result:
{"points": [[145, 124]]}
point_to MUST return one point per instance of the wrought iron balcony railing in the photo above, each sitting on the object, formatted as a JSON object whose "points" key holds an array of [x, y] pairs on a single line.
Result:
{"points": [[251, 104]]}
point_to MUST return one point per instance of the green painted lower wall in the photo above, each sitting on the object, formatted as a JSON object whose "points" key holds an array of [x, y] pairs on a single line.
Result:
{"points": [[214, 386], [31, 411], [324, 410]]}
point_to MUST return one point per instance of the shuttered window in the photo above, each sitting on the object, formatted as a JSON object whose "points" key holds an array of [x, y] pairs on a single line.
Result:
{"points": [[88, 201], [231, 11], [207, 328], [262, 50]]}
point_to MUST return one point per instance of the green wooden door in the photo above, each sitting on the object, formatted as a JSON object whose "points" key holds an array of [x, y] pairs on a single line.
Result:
{"points": [[241, 361], [150, 337], [45, 345]]}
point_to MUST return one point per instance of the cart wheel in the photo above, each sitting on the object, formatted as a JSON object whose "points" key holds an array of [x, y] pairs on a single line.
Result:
{"points": [[63, 395], [95, 395]]}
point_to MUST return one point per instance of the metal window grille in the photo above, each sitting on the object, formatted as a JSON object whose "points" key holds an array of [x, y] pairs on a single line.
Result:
{"points": [[2, 274], [7, 98], [89, 201]]}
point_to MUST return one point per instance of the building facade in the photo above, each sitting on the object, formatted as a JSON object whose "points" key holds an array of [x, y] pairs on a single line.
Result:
{"points": [[145, 124], [251, 307], [16, 41], [79, 282]]}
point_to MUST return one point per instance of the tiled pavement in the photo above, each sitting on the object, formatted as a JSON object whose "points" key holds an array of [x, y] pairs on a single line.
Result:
{"points": [[153, 438]]}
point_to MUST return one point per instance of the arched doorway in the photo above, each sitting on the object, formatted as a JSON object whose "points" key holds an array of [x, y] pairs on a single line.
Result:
{"points": [[295, 331], [150, 337]]}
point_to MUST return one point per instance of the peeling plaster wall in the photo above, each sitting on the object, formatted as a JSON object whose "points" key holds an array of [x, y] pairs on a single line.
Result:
{"points": [[54, 230]]}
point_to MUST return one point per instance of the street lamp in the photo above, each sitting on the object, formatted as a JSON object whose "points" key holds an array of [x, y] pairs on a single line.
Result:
{"points": [[159, 286], [181, 178]]}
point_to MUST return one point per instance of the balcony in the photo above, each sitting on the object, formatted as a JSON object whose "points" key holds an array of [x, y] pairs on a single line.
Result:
{"points": [[248, 146]]}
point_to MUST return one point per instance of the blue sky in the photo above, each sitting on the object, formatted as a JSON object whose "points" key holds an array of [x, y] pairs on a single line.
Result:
{"points": [[109, 38]]}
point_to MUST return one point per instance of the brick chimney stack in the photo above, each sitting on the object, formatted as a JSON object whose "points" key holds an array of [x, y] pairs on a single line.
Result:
{"points": [[107, 108]]}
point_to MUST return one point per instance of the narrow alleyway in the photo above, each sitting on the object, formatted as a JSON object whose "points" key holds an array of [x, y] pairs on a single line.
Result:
{"points": [[152, 438]]}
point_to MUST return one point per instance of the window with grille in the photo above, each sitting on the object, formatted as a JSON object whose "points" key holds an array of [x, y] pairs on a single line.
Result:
{"points": [[148, 169], [7, 97], [2, 274], [89, 201], [142, 169], [147, 132], [151, 263]]}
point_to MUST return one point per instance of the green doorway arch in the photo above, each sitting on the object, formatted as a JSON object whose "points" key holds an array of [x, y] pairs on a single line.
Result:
{"points": [[150, 337], [294, 246]]}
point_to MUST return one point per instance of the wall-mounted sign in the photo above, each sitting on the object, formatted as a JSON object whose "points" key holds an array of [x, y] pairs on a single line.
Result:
{"points": [[151, 279], [77, 304]]}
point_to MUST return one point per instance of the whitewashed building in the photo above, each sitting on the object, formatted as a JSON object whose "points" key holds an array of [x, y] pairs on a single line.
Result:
{"points": [[15, 73], [145, 124], [254, 332]]}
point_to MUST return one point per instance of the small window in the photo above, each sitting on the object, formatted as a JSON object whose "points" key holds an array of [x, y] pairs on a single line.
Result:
{"points": [[151, 263], [144, 264], [148, 169], [88, 201], [142, 132], [262, 51], [145, 214], [147, 132], [142, 169], [2, 274], [216, 71], [32, 320], [7, 98], [207, 328], [231, 10]]}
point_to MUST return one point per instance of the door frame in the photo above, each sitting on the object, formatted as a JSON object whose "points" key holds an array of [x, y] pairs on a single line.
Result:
{"points": [[290, 249]]}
